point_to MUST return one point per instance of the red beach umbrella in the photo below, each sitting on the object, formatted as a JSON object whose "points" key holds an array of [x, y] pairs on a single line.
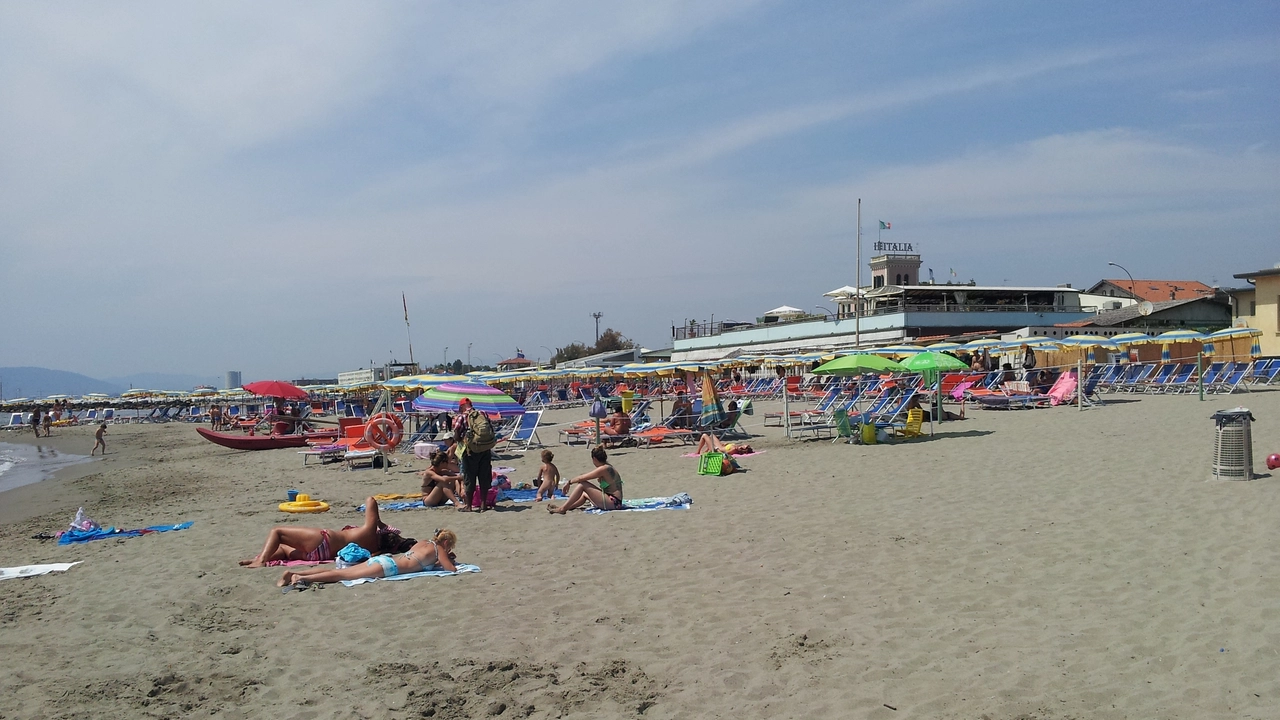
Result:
{"points": [[277, 388]]}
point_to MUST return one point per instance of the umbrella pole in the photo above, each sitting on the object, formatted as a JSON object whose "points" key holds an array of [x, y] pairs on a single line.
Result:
{"points": [[786, 409], [1200, 373], [597, 431], [1079, 386]]}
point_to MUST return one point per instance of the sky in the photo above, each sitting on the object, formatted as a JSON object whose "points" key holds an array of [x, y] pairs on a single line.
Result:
{"points": [[202, 187]]}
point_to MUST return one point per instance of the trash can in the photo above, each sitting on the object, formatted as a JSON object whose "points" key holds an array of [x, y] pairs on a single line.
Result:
{"points": [[1233, 444], [627, 397]]}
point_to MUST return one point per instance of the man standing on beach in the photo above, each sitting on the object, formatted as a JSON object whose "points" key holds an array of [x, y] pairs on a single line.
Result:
{"points": [[477, 441], [35, 421], [101, 443]]}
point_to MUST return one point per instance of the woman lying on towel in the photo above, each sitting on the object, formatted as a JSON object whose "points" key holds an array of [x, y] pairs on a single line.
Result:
{"points": [[290, 542], [710, 443], [426, 555], [440, 481], [606, 495]]}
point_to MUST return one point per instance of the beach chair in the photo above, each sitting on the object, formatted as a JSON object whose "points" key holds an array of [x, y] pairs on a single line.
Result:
{"points": [[822, 408], [15, 421], [525, 433], [91, 416], [1265, 372], [1233, 380], [1159, 378], [914, 425], [109, 415]]}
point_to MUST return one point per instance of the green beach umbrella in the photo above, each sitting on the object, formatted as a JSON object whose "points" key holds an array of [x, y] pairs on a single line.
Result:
{"points": [[933, 361], [858, 365]]}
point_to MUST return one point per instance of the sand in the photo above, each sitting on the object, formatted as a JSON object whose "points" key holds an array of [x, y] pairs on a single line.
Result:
{"points": [[1043, 564]]}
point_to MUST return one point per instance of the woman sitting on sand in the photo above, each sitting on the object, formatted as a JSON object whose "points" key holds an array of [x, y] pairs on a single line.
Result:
{"points": [[422, 556], [605, 496], [290, 542], [439, 482]]}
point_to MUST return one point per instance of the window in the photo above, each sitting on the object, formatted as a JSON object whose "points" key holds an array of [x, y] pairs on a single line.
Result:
{"points": [[877, 282], [1253, 308], [897, 279]]}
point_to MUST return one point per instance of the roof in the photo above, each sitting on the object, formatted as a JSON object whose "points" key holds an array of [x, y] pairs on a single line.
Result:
{"points": [[517, 361], [785, 310], [1161, 290], [1259, 273], [1130, 312], [940, 287]]}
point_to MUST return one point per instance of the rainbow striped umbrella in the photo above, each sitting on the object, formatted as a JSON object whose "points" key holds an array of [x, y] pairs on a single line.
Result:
{"points": [[489, 400]]}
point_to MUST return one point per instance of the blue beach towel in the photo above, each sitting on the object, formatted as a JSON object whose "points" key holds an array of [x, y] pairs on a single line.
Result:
{"points": [[509, 495], [409, 576], [675, 502], [69, 537]]}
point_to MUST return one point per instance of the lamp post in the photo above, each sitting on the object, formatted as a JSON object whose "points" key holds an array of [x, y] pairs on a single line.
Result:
{"points": [[825, 310], [469, 356], [597, 316], [1132, 294], [444, 361]]}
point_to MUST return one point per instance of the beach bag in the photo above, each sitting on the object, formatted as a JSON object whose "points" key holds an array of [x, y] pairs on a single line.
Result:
{"points": [[1029, 360], [480, 435], [599, 409]]}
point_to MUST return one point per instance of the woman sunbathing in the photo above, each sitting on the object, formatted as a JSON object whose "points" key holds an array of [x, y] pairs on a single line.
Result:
{"points": [[422, 556], [605, 496], [710, 443], [439, 482], [290, 542]]}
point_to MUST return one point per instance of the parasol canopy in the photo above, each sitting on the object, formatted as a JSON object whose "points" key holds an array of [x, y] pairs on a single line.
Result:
{"points": [[486, 399], [277, 389], [933, 361], [858, 365]]}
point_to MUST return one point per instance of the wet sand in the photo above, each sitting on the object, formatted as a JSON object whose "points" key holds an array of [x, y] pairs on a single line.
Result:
{"points": [[1045, 564]]}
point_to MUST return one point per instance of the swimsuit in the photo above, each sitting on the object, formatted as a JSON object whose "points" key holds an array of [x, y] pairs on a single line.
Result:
{"points": [[388, 562], [323, 553], [605, 485]]}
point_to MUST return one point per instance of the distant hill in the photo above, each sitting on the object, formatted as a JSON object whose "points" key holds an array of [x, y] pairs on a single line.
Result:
{"points": [[34, 382], [164, 381]]}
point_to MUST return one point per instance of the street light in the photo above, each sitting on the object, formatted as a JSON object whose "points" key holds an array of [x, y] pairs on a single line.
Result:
{"points": [[597, 316], [825, 310], [1132, 294], [469, 354], [444, 362]]}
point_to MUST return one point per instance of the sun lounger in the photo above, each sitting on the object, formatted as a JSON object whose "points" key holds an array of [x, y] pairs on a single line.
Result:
{"points": [[525, 433]]}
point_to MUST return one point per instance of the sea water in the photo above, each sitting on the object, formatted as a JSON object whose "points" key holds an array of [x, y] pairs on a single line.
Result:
{"points": [[26, 464]]}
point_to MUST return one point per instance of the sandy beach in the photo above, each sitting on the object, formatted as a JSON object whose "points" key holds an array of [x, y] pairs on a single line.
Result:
{"points": [[1044, 564]]}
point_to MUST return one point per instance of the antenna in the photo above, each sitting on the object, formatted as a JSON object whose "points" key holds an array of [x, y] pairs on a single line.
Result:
{"points": [[406, 325], [1145, 308], [597, 316]]}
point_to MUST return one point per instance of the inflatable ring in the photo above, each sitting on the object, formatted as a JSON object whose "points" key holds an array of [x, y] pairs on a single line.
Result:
{"points": [[304, 504], [382, 433], [393, 417]]}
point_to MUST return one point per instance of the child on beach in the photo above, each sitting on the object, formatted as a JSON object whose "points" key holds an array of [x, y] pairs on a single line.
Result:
{"points": [[422, 556], [548, 478], [102, 430]]}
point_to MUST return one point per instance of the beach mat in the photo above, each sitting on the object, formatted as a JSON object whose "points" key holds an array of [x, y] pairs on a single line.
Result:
{"points": [[745, 455], [410, 576], [69, 537], [681, 501], [33, 570]]}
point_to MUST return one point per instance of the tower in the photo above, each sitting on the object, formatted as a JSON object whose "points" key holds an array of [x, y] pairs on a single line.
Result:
{"points": [[895, 270]]}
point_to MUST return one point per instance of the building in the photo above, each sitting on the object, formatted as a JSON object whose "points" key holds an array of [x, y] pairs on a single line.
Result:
{"points": [[1259, 307], [1203, 314], [892, 311], [232, 380], [1152, 290], [611, 358], [519, 362]]}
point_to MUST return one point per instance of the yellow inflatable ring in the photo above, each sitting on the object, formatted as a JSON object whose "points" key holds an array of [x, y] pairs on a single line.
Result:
{"points": [[304, 504]]}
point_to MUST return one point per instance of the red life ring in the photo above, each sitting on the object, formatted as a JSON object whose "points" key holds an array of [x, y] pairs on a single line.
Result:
{"points": [[394, 418], [383, 433]]}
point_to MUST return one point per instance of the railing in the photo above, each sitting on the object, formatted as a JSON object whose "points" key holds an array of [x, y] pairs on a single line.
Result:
{"points": [[697, 330]]}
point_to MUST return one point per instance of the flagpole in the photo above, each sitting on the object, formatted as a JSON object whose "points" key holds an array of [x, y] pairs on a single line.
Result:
{"points": [[406, 325], [857, 300]]}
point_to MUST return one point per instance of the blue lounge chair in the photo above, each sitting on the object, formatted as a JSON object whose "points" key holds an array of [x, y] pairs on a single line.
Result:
{"points": [[526, 433]]}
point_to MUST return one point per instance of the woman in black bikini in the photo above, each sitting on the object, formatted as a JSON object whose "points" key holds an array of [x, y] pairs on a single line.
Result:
{"points": [[607, 495]]}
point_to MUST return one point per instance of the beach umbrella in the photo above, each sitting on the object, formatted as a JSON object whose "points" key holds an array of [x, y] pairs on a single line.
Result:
{"points": [[712, 410], [981, 344], [1131, 338], [1255, 349], [934, 362], [941, 346], [898, 350], [1177, 336], [277, 389], [858, 365], [1089, 341], [486, 399]]}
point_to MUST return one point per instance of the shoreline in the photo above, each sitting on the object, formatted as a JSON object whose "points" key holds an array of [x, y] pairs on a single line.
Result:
{"points": [[54, 493]]}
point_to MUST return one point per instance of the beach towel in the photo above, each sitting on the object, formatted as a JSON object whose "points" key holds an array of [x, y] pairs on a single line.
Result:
{"points": [[524, 495], [736, 455], [33, 570], [68, 537], [681, 501], [409, 576], [297, 563]]}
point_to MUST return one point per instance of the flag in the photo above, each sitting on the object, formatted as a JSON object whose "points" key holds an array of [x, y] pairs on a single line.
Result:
{"points": [[953, 272], [885, 226], [406, 308]]}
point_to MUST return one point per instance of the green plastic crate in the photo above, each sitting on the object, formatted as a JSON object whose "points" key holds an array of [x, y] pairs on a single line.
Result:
{"points": [[711, 463]]}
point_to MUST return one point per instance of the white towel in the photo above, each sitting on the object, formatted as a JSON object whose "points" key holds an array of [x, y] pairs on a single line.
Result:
{"points": [[33, 570]]}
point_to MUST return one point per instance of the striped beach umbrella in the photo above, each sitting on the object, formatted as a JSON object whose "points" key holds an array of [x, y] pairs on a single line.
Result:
{"points": [[712, 410], [981, 344], [943, 346], [898, 350], [489, 400], [1177, 336], [1131, 338], [1255, 348], [1089, 341]]}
